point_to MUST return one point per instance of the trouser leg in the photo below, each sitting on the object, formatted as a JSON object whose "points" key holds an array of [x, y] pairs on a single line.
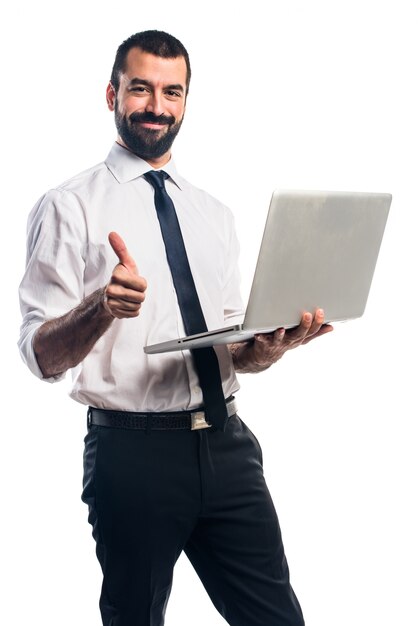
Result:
{"points": [[236, 546], [143, 492], [150, 496]]}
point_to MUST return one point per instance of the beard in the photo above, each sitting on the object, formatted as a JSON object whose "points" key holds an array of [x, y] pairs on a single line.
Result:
{"points": [[146, 142]]}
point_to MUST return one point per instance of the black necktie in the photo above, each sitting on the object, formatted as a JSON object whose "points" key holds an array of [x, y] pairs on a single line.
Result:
{"points": [[205, 359]]}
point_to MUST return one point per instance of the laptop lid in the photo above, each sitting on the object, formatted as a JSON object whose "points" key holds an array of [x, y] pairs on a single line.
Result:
{"points": [[319, 250]]}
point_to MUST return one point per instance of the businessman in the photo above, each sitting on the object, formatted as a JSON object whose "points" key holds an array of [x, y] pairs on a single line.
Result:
{"points": [[129, 253]]}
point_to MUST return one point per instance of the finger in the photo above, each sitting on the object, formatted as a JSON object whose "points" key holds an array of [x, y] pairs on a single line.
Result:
{"points": [[310, 324], [279, 334], [123, 277], [326, 328], [121, 251], [117, 292], [120, 308], [300, 332], [122, 305], [263, 337], [123, 314], [317, 322]]}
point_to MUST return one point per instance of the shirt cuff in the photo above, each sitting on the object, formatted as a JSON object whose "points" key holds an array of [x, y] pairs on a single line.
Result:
{"points": [[28, 354]]}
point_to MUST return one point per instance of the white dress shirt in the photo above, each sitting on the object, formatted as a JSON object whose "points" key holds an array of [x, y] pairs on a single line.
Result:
{"points": [[69, 257]]}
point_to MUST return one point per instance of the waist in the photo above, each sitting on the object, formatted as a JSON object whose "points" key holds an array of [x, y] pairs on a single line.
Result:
{"points": [[171, 420]]}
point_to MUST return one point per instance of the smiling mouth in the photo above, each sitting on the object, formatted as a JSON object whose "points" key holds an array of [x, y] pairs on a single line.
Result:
{"points": [[153, 125], [150, 121]]}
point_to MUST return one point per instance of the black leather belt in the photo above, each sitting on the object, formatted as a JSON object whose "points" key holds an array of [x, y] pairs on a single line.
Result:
{"points": [[174, 420]]}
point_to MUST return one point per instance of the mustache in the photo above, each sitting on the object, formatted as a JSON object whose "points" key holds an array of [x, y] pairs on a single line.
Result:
{"points": [[148, 116]]}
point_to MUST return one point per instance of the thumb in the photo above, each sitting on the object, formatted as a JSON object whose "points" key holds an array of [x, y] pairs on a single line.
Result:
{"points": [[121, 251]]}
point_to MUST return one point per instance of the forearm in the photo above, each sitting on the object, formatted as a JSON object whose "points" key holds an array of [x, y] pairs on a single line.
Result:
{"points": [[64, 342], [243, 358]]}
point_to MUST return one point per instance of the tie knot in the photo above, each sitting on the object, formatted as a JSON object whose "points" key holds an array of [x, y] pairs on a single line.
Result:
{"points": [[156, 178]]}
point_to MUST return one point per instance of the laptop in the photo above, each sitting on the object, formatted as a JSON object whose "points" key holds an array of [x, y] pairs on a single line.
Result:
{"points": [[319, 250]]}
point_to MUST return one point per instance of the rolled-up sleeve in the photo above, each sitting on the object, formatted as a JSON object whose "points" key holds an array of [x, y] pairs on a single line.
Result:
{"points": [[53, 281]]}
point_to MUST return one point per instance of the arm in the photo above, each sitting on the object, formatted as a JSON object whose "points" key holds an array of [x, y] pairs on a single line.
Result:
{"points": [[64, 342], [265, 349]]}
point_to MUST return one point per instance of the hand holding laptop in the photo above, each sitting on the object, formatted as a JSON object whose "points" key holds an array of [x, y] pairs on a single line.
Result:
{"points": [[267, 348]]}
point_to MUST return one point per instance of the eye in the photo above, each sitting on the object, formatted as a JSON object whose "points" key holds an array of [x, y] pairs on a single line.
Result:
{"points": [[139, 89], [171, 93]]}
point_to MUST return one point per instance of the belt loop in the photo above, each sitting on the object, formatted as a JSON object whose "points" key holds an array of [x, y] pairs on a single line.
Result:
{"points": [[89, 418], [149, 424]]}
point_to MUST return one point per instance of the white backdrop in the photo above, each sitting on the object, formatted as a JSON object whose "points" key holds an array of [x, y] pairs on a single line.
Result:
{"points": [[294, 94]]}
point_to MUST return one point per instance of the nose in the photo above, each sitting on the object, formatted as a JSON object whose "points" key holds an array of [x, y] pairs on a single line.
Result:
{"points": [[155, 103]]}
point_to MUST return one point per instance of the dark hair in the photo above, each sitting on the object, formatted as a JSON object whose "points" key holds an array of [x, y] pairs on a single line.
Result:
{"points": [[155, 42]]}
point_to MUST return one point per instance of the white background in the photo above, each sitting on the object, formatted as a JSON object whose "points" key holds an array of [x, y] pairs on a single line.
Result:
{"points": [[292, 94]]}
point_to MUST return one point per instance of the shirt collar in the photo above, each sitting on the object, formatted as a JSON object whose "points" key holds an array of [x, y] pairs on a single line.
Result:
{"points": [[126, 166]]}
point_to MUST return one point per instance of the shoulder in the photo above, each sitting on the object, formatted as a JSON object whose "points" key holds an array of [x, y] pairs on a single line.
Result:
{"points": [[82, 181], [63, 206], [68, 196]]}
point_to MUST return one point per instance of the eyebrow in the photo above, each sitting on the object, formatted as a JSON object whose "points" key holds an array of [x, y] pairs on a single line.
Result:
{"points": [[147, 83]]}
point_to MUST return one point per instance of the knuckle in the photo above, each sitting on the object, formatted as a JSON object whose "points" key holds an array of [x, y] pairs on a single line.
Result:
{"points": [[111, 291]]}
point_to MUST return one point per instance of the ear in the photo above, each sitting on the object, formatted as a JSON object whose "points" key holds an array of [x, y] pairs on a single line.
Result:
{"points": [[110, 97]]}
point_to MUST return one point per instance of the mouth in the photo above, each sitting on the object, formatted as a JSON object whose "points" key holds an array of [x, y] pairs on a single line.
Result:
{"points": [[149, 121], [152, 125]]}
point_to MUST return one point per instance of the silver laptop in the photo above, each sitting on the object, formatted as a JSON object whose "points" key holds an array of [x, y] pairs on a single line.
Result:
{"points": [[319, 250]]}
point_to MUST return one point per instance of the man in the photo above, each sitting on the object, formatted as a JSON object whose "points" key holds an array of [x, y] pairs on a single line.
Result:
{"points": [[169, 466]]}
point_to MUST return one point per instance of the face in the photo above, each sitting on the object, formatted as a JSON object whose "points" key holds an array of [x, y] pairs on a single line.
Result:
{"points": [[150, 104]]}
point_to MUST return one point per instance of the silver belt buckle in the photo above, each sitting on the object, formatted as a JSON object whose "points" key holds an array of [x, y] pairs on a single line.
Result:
{"points": [[199, 420]]}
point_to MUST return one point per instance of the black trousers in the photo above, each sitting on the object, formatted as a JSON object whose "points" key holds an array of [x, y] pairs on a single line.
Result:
{"points": [[152, 495]]}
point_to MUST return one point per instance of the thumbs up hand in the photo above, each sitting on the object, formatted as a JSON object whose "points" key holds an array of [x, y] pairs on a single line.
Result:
{"points": [[125, 292]]}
